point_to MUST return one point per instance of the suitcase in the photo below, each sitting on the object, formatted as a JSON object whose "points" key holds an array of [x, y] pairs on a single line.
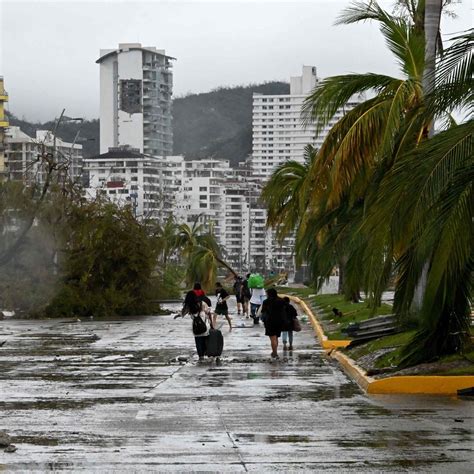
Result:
{"points": [[214, 343]]}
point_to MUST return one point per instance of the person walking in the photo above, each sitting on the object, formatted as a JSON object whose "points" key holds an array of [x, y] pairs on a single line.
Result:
{"points": [[273, 314], [245, 295], [201, 316], [287, 329], [237, 287], [221, 306], [201, 295], [256, 300]]}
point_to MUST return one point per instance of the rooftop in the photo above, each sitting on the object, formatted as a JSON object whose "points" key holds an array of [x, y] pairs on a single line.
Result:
{"points": [[120, 152], [124, 47]]}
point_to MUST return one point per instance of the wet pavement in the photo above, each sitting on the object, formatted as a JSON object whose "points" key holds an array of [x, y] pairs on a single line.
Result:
{"points": [[118, 395]]}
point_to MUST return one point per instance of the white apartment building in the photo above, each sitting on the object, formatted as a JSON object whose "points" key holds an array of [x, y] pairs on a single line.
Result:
{"points": [[69, 154], [135, 99], [170, 175], [23, 155], [201, 197], [126, 177], [278, 132]]}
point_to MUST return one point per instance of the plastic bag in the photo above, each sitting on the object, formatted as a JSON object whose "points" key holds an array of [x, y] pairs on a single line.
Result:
{"points": [[256, 281]]}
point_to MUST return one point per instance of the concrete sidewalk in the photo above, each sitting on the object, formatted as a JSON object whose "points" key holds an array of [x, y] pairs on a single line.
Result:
{"points": [[125, 402]]}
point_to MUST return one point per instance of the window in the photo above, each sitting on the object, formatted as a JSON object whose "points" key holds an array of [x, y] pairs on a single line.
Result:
{"points": [[203, 197], [202, 205], [203, 188]]}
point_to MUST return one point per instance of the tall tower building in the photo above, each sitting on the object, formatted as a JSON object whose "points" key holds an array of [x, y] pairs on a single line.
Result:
{"points": [[278, 132], [135, 99], [3, 125]]}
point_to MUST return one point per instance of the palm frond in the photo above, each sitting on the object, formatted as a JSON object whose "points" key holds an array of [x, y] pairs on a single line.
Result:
{"points": [[334, 93]]}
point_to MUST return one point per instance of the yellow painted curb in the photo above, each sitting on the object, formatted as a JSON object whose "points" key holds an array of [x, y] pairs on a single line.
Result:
{"points": [[353, 370], [326, 343], [401, 384], [427, 384]]}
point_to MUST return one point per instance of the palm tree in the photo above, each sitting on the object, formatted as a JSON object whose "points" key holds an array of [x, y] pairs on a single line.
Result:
{"points": [[424, 188], [202, 253], [388, 193], [362, 146], [436, 215], [166, 235], [286, 194]]}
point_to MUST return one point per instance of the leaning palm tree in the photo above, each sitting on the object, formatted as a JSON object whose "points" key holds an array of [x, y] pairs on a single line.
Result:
{"points": [[201, 252], [435, 215], [286, 194], [363, 145], [381, 153]]}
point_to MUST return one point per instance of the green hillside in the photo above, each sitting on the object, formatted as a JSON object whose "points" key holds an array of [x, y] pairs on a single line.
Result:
{"points": [[214, 124], [218, 124]]}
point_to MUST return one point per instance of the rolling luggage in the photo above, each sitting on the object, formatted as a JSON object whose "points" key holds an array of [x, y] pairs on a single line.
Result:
{"points": [[214, 343]]}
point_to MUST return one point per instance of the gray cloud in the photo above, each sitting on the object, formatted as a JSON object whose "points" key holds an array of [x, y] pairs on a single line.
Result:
{"points": [[49, 48]]}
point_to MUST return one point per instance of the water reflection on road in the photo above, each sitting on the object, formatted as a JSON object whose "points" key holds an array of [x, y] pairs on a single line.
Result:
{"points": [[128, 394]]}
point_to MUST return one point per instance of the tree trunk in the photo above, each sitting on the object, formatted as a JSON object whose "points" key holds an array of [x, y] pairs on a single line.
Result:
{"points": [[342, 274], [432, 20], [225, 265]]}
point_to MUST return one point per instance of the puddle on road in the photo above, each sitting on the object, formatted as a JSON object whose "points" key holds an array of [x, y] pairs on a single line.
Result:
{"points": [[392, 439], [64, 404], [324, 392], [271, 439]]}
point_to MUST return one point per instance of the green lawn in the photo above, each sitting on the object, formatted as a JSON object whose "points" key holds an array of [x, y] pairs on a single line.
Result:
{"points": [[300, 292], [323, 304], [396, 343], [354, 312], [351, 313]]}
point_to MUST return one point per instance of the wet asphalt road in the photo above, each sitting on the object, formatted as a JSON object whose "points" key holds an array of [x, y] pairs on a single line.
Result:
{"points": [[113, 396]]}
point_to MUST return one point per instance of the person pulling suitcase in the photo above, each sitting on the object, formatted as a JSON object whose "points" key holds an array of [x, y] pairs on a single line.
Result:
{"points": [[214, 343]]}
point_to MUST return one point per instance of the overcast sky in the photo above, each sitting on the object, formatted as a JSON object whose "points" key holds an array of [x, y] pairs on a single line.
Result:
{"points": [[49, 49]]}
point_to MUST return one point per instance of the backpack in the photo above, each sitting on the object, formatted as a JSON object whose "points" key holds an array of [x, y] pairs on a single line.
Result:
{"points": [[245, 290], [199, 326], [238, 287]]}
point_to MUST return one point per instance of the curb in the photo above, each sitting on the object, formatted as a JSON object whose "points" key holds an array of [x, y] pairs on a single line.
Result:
{"points": [[402, 384], [326, 343]]}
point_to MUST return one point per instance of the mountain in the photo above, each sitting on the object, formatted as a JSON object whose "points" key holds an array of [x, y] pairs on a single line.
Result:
{"points": [[216, 124]]}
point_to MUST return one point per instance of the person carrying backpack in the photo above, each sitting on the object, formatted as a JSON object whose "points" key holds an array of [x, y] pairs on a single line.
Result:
{"points": [[199, 292], [200, 314]]}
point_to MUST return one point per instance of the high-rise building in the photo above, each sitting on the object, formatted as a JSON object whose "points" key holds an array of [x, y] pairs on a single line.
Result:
{"points": [[3, 126], [278, 132], [135, 99]]}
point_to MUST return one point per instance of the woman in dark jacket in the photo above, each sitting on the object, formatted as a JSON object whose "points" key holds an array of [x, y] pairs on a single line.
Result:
{"points": [[273, 311]]}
